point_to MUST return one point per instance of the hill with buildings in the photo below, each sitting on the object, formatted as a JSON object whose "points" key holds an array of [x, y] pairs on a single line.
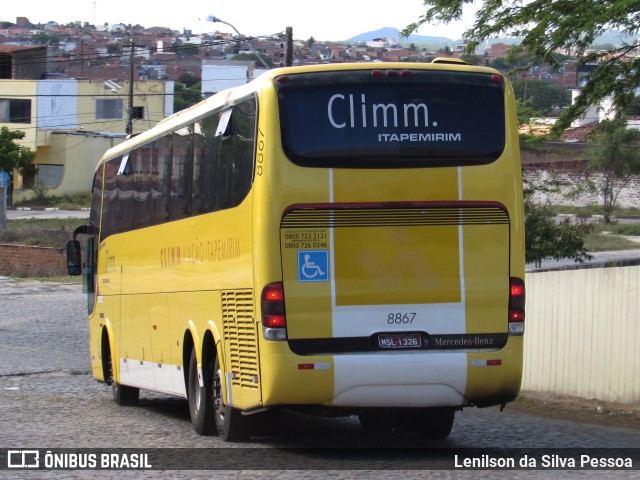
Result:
{"points": [[394, 33]]}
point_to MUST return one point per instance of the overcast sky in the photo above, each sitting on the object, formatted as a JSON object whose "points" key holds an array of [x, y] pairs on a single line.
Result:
{"points": [[324, 19]]}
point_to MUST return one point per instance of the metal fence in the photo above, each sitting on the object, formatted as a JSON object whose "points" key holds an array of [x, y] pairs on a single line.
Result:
{"points": [[583, 333]]}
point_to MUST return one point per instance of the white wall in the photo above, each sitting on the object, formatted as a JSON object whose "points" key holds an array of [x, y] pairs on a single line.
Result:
{"points": [[582, 333], [216, 78], [57, 104]]}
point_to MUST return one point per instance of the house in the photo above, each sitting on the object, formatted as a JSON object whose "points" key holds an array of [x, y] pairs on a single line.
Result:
{"points": [[69, 123], [23, 62], [218, 75]]}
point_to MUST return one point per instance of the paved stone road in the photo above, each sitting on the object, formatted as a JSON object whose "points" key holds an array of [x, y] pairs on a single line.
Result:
{"points": [[49, 400]]}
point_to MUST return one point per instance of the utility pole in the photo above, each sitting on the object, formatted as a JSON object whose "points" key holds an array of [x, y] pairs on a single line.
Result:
{"points": [[130, 110], [288, 55]]}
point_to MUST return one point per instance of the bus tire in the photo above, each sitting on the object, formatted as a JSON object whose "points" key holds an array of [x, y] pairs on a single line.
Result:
{"points": [[232, 426], [200, 398], [122, 394], [377, 421], [434, 423]]}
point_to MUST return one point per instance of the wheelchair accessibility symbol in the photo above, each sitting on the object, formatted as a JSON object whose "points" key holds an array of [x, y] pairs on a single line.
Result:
{"points": [[313, 266]]}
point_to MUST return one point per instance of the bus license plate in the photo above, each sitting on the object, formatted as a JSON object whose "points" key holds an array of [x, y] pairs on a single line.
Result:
{"points": [[405, 340]]}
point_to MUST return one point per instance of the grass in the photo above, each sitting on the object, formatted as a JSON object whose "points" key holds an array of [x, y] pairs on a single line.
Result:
{"points": [[606, 237], [596, 242], [632, 229], [42, 232], [46, 232], [590, 210], [74, 201]]}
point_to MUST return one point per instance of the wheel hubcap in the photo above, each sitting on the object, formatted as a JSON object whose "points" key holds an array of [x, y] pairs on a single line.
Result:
{"points": [[217, 394]]}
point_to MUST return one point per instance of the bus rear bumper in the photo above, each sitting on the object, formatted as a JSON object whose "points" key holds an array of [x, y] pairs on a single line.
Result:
{"points": [[399, 380], [394, 379]]}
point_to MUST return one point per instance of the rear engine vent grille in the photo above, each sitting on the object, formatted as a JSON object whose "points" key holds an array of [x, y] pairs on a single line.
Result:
{"points": [[240, 336], [306, 216]]}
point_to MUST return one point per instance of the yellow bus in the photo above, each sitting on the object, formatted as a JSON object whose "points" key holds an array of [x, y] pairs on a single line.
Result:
{"points": [[344, 238]]}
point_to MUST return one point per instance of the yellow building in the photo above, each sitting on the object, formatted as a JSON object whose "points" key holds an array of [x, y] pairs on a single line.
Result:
{"points": [[70, 123]]}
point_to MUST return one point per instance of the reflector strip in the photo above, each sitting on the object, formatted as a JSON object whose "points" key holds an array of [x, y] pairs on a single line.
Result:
{"points": [[486, 363], [314, 366]]}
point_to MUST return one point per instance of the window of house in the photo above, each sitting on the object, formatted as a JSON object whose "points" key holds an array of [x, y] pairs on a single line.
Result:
{"points": [[109, 108], [15, 110], [137, 113]]}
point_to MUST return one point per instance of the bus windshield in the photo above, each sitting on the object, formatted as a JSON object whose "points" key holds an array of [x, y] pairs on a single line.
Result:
{"points": [[391, 118]]}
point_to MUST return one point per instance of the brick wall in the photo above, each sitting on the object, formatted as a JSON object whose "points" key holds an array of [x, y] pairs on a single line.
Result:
{"points": [[566, 162], [629, 196], [26, 261]]}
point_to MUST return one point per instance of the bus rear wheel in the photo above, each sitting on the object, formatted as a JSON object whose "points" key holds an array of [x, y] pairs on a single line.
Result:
{"points": [[381, 421], [232, 426], [201, 397], [434, 423]]}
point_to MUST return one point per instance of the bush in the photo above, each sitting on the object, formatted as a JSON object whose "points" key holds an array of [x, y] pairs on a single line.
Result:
{"points": [[545, 237]]}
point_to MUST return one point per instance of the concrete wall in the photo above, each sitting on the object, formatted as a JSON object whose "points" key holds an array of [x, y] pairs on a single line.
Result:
{"points": [[582, 333]]}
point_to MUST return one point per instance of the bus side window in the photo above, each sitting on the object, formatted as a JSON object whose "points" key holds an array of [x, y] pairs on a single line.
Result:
{"points": [[204, 168], [236, 147]]}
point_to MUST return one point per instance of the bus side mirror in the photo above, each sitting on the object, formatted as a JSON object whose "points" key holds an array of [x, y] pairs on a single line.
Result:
{"points": [[74, 260]]}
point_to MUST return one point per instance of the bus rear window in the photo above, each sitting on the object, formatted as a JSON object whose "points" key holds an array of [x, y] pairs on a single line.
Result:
{"points": [[416, 118]]}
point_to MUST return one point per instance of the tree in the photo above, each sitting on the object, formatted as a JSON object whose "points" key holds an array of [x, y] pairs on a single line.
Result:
{"points": [[633, 108], [500, 63], [544, 96], [44, 38], [12, 155], [528, 138], [545, 237], [186, 96], [546, 27], [189, 79], [615, 157], [472, 59]]}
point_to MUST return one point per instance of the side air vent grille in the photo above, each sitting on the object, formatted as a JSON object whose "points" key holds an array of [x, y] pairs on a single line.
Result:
{"points": [[240, 336]]}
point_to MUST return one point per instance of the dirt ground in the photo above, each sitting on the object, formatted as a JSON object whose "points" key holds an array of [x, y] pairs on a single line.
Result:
{"points": [[578, 409]]}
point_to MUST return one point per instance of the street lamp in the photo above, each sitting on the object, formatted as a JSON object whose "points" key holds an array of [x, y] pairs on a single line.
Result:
{"points": [[211, 18]]}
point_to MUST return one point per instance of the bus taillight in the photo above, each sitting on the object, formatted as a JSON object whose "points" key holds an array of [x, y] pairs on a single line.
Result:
{"points": [[516, 306], [273, 313]]}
